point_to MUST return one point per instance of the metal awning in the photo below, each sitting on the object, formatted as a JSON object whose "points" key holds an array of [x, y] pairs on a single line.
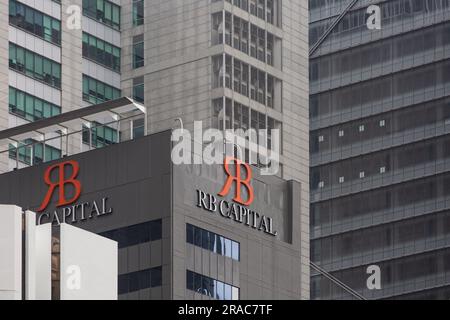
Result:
{"points": [[66, 122]]}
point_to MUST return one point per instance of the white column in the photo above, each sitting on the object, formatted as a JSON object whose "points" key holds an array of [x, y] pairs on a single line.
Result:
{"points": [[10, 253]]}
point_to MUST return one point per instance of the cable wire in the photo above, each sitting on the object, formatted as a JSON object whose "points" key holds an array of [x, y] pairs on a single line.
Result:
{"points": [[330, 29], [336, 281]]}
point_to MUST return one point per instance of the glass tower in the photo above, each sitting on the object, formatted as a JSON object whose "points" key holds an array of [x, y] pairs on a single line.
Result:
{"points": [[380, 147]]}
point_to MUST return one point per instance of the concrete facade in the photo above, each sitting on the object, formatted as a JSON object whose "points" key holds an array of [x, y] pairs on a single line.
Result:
{"points": [[152, 189], [178, 77], [379, 135], [178, 72]]}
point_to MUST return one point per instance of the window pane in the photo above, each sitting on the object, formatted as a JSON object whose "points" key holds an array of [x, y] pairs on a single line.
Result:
{"points": [[138, 93], [227, 248], [205, 239], [228, 295], [138, 55], [38, 67], [235, 250], [12, 97], [197, 283], [29, 63], [108, 93], [189, 280], [47, 110], [116, 16], [29, 107], [198, 237], [156, 230], [220, 290], [47, 28], [189, 233], [38, 105], [234, 293]]}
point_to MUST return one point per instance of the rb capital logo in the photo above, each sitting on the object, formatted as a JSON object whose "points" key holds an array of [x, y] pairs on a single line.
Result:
{"points": [[61, 184], [239, 181]]}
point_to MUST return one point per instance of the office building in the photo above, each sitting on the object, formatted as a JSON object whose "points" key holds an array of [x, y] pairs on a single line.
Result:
{"points": [[230, 64], [379, 108], [183, 231]]}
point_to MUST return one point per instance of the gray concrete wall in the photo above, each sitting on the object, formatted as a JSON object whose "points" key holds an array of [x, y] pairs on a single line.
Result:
{"points": [[269, 265]]}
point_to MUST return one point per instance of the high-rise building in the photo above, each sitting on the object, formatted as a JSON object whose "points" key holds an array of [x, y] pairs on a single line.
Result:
{"points": [[188, 231], [230, 64], [380, 146]]}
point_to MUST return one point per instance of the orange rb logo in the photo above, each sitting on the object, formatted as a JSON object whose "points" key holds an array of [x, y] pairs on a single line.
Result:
{"points": [[61, 184], [237, 178]]}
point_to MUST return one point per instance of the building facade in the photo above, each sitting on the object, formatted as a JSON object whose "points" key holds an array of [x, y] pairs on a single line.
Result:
{"points": [[379, 108], [177, 237], [230, 64]]}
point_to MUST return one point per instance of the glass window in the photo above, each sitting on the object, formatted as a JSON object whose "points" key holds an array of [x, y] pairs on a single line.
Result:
{"points": [[205, 239], [227, 295], [144, 279], [210, 287], [29, 107], [56, 74], [116, 58], [108, 11], [34, 65], [95, 91], [198, 237], [56, 31], [47, 110], [48, 28], [220, 290], [235, 250], [228, 248], [116, 93], [38, 23], [190, 233], [25, 152], [138, 12], [20, 57], [12, 97], [21, 101], [29, 63], [189, 280], [33, 21], [156, 277], [138, 92], [123, 284], [108, 93], [103, 11], [207, 286], [139, 131], [135, 234], [234, 293], [156, 229], [116, 16], [212, 242], [39, 65], [38, 109], [101, 52], [197, 282], [108, 54], [29, 19], [100, 91], [220, 245], [138, 55]]}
